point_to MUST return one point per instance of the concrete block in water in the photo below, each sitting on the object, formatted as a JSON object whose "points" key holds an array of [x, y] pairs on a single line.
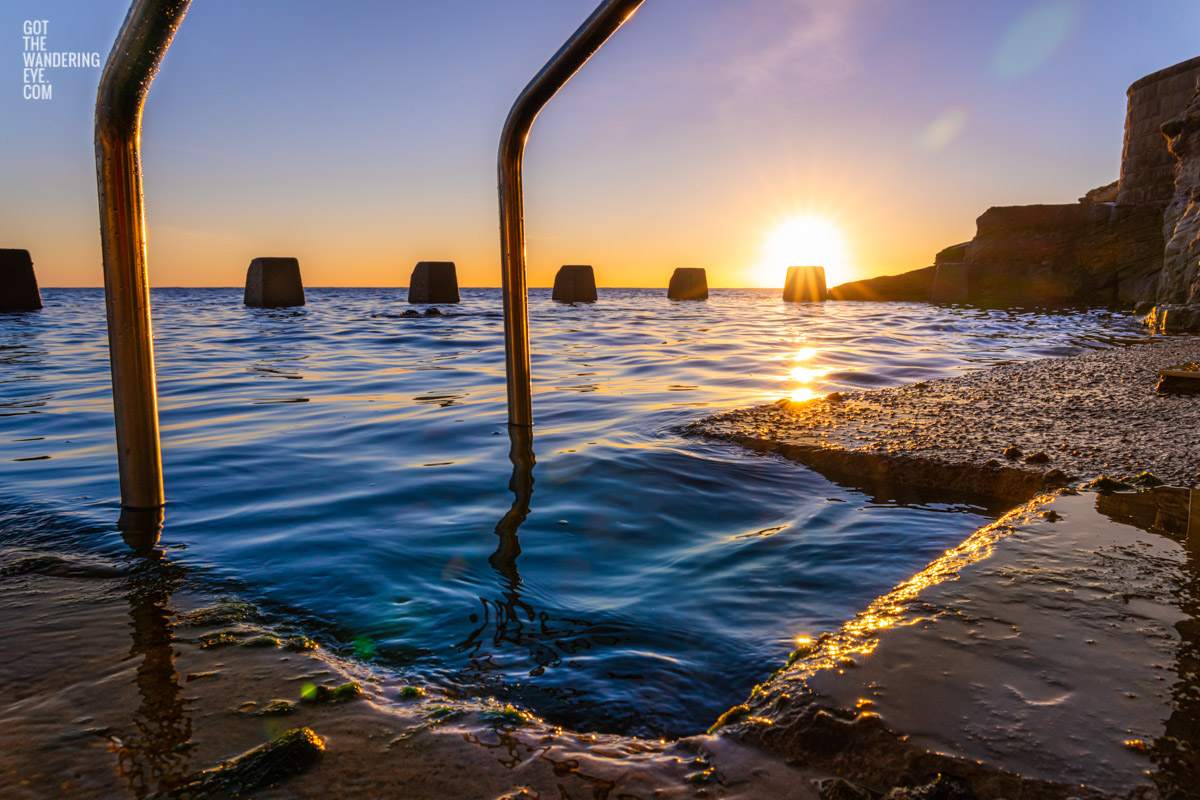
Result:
{"points": [[274, 283], [433, 282], [950, 283], [575, 283], [688, 283], [805, 285], [18, 284]]}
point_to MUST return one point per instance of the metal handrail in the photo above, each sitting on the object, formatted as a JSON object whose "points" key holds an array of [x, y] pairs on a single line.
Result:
{"points": [[144, 38], [137, 53], [594, 32]]}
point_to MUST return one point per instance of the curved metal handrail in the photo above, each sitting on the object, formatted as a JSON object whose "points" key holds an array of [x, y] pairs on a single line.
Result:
{"points": [[594, 32], [137, 53], [149, 27]]}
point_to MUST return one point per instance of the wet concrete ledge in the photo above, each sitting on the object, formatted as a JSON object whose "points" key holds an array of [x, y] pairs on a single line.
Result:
{"points": [[1059, 420], [1059, 644]]}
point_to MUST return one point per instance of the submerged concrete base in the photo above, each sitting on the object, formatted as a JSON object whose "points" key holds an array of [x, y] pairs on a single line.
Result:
{"points": [[433, 282], [688, 283], [805, 285], [274, 283], [575, 283], [18, 284]]}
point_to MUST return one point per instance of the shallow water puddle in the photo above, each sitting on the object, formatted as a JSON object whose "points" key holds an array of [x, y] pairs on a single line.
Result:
{"points": [[1061, 643]]}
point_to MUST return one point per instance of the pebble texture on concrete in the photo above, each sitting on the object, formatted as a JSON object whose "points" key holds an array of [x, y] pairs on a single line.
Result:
{"points": [[1093, 414]]}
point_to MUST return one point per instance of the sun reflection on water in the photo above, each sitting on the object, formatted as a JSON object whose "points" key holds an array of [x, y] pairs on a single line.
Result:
{"points": [[804, 374], [859, 636]]}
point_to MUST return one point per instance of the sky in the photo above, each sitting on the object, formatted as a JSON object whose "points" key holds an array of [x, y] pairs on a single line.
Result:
{"points": [[361, 137]]}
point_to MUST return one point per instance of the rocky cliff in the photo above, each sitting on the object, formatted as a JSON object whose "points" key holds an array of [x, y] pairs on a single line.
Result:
{"points": [[1082, 253], [1179, 281]]}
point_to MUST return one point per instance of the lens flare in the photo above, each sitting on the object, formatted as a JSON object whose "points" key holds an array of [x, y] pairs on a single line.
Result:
{"points": [[803, 240]]}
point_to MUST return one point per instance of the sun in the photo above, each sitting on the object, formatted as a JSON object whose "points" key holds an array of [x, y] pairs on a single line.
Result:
{"points": [[803, 240]]}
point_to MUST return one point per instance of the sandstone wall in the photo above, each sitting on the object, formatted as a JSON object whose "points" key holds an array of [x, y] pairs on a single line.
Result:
{"points": [[1082, 253], [1147, 168], [1179, 281]]}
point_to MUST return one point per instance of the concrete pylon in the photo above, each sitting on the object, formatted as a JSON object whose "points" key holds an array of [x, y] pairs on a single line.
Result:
{"points": [[433, 282], [575, 283], [18, 284], [688, 283], [805, 285], [274, 283]]}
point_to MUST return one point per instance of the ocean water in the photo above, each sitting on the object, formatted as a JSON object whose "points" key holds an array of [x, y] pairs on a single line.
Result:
{"points": [[352, 471]]}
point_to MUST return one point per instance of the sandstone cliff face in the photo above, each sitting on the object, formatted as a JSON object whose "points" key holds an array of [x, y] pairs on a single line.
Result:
{"points": [[912, 286], [1082, 253], [1179, 281]]}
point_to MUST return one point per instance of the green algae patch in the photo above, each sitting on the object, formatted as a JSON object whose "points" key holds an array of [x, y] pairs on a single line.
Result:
{"points": [[411, 693], [805, 648], [1107, 484], [291, 753], [507, 715], [1146, 480], [440, 712], [311, 693], [300, 644], [221, 639], [730, 717], [275, 708], [226, 610], [943, 787], [262, 640]]}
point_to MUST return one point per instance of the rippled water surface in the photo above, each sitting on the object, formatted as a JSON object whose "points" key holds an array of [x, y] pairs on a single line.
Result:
{"points": [[352, 468]]}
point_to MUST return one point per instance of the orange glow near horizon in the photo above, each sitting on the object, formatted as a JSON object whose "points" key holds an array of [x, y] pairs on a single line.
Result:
{"points": [[804, 240]]}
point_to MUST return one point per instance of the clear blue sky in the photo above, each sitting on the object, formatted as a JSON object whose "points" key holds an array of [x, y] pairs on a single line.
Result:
{"points": [[361, 136]]}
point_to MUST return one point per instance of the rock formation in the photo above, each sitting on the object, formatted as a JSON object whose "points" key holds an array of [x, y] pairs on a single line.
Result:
{"points": [[912, 286], [1179, 281], [1081, 253]]}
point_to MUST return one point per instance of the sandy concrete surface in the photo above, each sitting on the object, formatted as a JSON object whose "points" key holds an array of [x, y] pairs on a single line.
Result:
{"points": [[1092, 414]]}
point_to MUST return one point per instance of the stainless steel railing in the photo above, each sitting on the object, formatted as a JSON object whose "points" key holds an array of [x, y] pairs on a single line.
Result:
{"points": [[149, 28], [603, 22], [144, 38]]}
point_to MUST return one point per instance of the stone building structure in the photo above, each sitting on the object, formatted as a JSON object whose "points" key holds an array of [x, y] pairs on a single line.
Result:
{"points": [[1147, 168]]}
